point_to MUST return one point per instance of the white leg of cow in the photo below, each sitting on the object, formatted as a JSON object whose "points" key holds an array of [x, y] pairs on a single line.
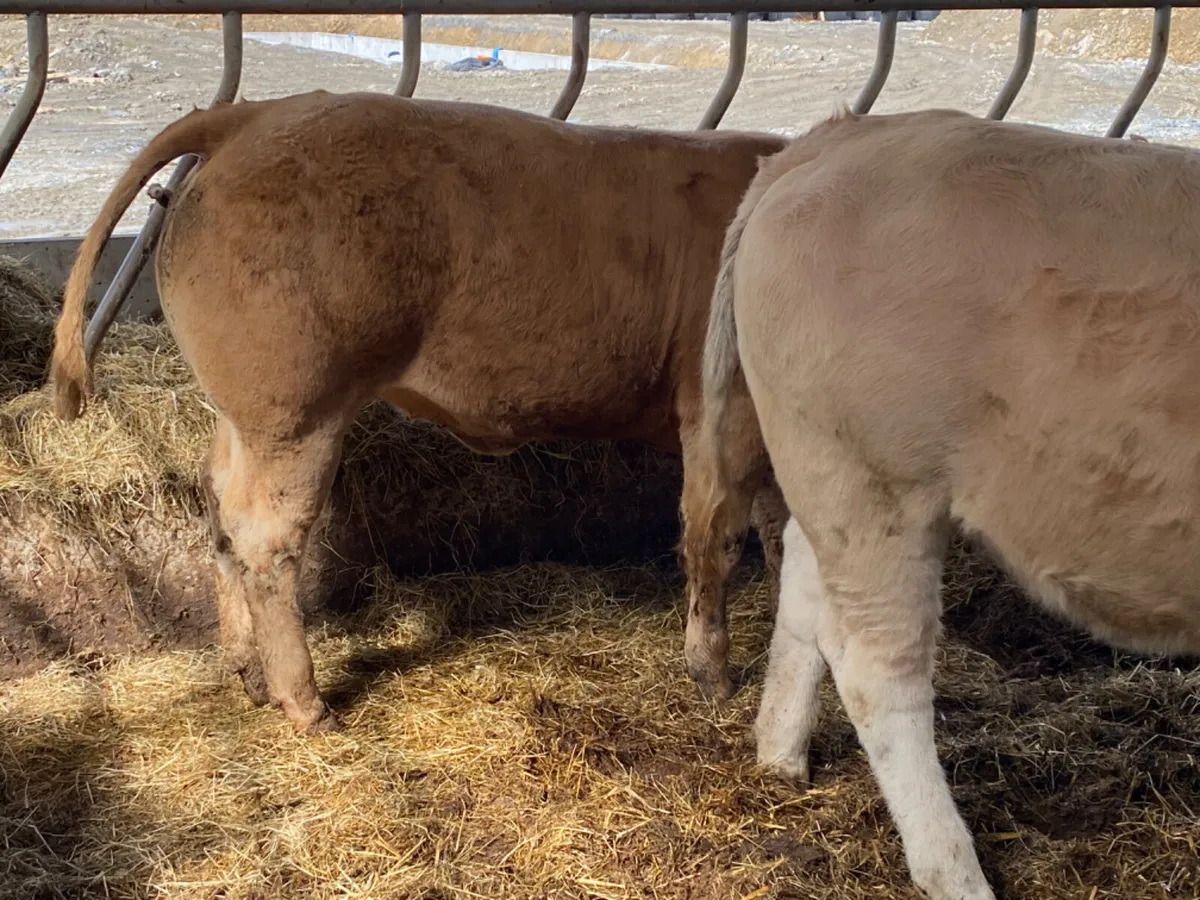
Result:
{"points": [[274, 496], [790, 703], [892, 710], [879, 543], [878, 632], [233, 613]]}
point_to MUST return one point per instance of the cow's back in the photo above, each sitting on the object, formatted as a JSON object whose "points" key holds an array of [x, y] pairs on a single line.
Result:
{"points": [[1013, 313], [512, 277]]}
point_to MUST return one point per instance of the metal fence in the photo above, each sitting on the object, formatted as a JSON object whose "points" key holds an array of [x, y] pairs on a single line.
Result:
{"points": [[581, 11]]}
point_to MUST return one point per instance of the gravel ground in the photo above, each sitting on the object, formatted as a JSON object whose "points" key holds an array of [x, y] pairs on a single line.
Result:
{"points": [[116, 81]]}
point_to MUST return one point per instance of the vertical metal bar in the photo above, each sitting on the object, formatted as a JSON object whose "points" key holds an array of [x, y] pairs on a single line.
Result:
{"points": [[410, 62], [738, 32], [884, 51], [1159, 39], [147, 239], [37, 40], [1026, 41], [581, 39]]}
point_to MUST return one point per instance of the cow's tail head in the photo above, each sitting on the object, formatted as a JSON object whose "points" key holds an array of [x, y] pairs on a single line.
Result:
{"points": [[199, 132]]}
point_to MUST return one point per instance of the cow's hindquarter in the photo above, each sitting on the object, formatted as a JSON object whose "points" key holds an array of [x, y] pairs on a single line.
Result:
{"points": [[507, 277], [1034, 371], [292, 293], [856, 363]]}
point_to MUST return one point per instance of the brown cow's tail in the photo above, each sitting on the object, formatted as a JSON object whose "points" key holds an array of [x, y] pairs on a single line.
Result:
{"points": [[200, 132]]}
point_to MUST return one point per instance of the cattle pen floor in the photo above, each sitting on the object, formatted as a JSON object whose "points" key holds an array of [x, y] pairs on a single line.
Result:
{"points": [[529, 733]]}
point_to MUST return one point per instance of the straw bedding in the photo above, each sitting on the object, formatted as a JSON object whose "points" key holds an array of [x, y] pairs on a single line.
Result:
{"points": [[526, 732], [530, 734]]}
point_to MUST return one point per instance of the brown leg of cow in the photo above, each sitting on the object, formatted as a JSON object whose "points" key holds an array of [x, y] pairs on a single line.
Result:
{"points": [[273, 496], [233, 613], [712, 540], [769, 516]]}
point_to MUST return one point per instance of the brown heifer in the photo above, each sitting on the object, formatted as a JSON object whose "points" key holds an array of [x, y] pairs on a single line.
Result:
{"points": [[945, 318], [513, 278]]}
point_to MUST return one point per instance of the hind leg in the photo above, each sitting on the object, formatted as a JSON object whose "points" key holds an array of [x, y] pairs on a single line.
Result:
{"points": [[769, 515], [879, 544], [790, 705], [274, 494], [713, 535], [233, 612]]}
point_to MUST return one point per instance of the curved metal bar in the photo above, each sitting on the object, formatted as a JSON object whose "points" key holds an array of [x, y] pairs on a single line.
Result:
{"points": [[1026, 41], [884, 51], [147, 239], [410, 62], [37, 39], [231, 47], [1159, 39], [581, 39], [739, 30]]}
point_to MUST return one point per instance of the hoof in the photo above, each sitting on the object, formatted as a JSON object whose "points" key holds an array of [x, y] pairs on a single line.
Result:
{"points": [[255, 685], [792, 771], [714, 684], [321, 721], [327, 724]]}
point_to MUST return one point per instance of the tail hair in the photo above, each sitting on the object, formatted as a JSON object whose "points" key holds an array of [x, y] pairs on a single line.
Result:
{"points": [[200, 132]]}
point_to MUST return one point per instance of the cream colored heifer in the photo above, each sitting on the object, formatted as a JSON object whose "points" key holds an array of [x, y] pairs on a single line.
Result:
{"points": [[946, 318]]}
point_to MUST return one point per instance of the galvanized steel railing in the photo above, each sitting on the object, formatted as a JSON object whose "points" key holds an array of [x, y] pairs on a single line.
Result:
{"points": [[37, 39], [1159, 38], [143, 246], [884, 52], [1026, 39], [581, 11]]}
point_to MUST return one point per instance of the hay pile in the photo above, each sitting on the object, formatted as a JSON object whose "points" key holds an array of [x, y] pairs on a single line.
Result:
{"points": [[531, 734], [1094, 34], [27, 305], [102, 544]]}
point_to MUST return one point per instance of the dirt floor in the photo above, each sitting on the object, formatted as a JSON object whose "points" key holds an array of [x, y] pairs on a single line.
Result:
{"points": [[526, 732]]}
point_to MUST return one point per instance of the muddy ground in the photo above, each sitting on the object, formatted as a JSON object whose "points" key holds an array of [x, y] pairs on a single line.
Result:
{"points": [[118, 80]]}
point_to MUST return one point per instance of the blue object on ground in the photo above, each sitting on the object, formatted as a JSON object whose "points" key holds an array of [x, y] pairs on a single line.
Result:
{"points": [[472, 63]]}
